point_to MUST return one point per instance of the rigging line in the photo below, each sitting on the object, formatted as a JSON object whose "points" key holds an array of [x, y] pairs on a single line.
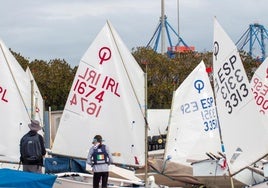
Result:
{"points": [[140, 106], [13, 77]]}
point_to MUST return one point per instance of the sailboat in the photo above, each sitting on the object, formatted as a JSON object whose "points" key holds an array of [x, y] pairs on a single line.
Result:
{"points": [[13, 105], [107, 97], [13, 86], [243, 133], [193, 122], [15, 92], [259, 87]]}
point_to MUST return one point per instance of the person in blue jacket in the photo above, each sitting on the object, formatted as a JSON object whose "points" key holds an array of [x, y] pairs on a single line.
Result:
{"points": [[99, 158]]}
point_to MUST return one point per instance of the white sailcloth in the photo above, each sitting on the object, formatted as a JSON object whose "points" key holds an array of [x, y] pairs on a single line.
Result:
{"points": [[158, 121], [14, 118], [37, 103], [259, 86], [193, 128], [107, 97], [243, 134]]}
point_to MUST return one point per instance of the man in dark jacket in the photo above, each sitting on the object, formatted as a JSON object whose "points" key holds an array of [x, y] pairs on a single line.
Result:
{"points": [[32, 149]]}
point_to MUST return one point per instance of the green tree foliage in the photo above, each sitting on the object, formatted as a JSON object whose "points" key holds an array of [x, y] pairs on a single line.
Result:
{"points": [[54, 79], [164, 75], [159, 77], [22, 60], [59, 83], [249, 63]]}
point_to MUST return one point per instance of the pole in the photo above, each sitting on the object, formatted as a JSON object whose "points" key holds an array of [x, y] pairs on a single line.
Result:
{"points": [[51, 140], [146, 130], [162, 27], [32, 100], [223, 150], [178, 7]]}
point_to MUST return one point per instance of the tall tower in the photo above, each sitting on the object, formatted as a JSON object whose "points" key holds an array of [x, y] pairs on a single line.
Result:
{"points": [[255, 37], [163, 27]]}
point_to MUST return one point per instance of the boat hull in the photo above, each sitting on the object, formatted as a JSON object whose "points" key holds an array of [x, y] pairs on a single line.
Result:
{"points": [[260, 185], [82, 180]]}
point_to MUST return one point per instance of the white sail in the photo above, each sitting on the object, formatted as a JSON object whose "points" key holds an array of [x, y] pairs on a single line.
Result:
{"points": [[106, 98], [36, 103], [193, 129], [259, 86], [158, 121], [13, 85], [242, 130]]}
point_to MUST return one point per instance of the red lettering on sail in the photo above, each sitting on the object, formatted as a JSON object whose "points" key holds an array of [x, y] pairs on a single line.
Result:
{"points": [[111, 85], [90, 76], [3, 94], [260, 90], [89, 90]]}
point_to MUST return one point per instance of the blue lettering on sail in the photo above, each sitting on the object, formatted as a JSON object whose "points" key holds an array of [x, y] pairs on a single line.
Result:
{"points": [[205, 107]]}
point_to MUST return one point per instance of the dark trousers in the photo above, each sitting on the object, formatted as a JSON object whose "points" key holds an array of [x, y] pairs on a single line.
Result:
{"points": [[104, 179], [32, 168]]}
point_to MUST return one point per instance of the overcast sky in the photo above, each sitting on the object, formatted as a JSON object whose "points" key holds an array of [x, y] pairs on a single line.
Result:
{"points": [[65, 28]]}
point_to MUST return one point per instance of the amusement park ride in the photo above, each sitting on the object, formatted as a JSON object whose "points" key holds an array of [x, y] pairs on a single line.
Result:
{"points": [[163, 30], [255, 38]]}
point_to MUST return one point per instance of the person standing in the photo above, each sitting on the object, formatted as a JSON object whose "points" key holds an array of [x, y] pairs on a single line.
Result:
{"points": [[99, 158], [32, 149]]}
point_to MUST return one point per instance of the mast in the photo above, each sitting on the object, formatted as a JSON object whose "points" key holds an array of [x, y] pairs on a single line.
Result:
{"points": [[178, 7], [32, 100], [146, 130], [162, 27]]}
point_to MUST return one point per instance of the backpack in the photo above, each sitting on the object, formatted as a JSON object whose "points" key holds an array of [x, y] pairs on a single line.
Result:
{"points": [[31, 148], [100, 155]]}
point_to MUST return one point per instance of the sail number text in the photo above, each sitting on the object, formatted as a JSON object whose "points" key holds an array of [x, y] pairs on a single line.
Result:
{"points": [[260, 91], [207, 111], [89, 91], [229, 84]]}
